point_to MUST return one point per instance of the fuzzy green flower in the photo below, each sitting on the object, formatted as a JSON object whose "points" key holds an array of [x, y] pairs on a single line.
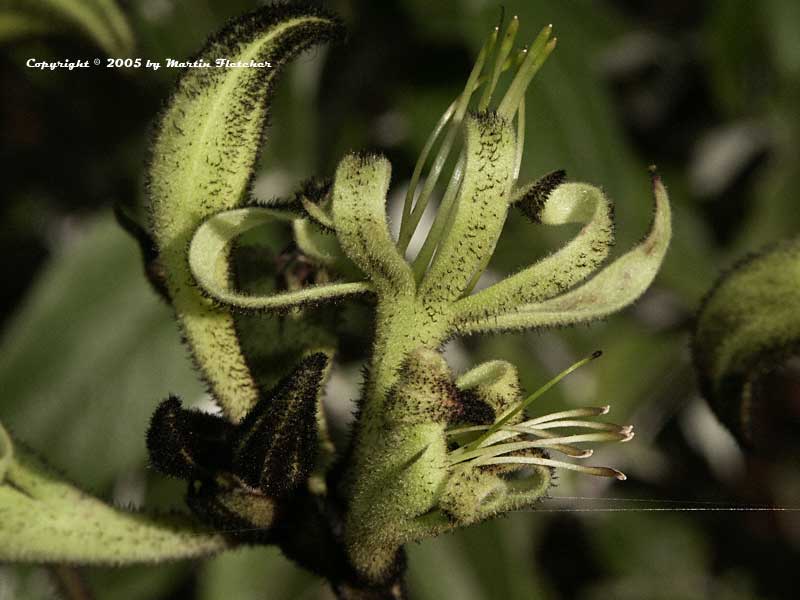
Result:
{"points": [[430, 451], [412, 472]]}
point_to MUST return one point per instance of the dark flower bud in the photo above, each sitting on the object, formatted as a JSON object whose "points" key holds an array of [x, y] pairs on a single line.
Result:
{"points": [[275, 446], [187, 443]]}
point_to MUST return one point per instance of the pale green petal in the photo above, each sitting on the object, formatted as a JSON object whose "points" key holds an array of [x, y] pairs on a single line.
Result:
{"points": [[612, 289], [202, 163], [208, 260], [359, 214], [569, 203], [480, 210]]}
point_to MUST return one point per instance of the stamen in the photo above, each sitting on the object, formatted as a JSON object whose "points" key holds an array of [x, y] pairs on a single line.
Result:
{"points": [[405, 232], [503, 52], [548, 462], [589, 411], [525, 403], [481, 454], [540, 50], [441, 221], [528, 426], [413, 211], [582, 424], [415, 214], [520, 139]]}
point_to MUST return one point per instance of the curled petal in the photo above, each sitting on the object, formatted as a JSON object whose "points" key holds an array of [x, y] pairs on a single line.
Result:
{"points": [[568, 203], [203, 158], [359, 215], [612, 289], [208, 260]]}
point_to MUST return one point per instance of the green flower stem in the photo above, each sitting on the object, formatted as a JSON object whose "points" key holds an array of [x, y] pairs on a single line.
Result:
{"points": [[403, 480]]}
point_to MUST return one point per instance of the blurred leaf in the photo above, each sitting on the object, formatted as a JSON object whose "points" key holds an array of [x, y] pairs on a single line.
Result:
{"points": [[101, 20], [25, 583], [254, 574], [782, 20], [625, 545], [658, 558], [489, 561], [16, 25], [89, 356], [137, 582]]}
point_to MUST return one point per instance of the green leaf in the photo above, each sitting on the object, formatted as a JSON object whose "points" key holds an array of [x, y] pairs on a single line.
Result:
{"points": [[359, 214], [568, 203], [102, 21], [612, 289], [203, 159], [45, 519], [89, 355], [748, 325], [208, 261]]}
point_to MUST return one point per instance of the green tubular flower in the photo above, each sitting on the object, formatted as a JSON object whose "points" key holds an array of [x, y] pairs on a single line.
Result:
{"points": [[431, 452]]}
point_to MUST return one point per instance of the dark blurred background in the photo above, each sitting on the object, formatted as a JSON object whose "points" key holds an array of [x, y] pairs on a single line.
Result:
{"points": [[706, 90]]}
